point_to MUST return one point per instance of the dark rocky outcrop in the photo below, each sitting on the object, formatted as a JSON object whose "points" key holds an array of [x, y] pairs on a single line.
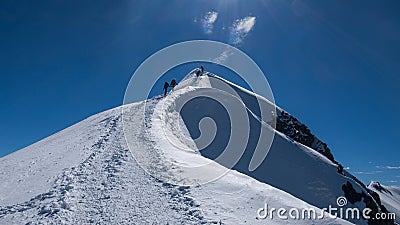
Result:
{"points": [[294, 129], [373, 203], [379, 187]]}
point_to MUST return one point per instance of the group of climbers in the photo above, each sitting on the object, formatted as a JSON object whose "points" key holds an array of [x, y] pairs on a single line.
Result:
{"points": [[173, 83], [200, 71]]}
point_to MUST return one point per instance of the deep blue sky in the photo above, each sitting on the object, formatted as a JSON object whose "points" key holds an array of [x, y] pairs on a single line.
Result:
{"points": [[333, 64]]}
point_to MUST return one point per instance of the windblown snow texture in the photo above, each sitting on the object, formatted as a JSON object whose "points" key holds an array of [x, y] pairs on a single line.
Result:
{"points": [[86, 173], [106, 186]]}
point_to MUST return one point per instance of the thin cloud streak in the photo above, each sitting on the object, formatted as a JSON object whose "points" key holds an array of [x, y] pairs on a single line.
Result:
{"points": [[389, 167], [391, 181], [368, 172], [223, 57]]}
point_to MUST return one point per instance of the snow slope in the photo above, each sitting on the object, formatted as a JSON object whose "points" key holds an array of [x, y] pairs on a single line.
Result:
{"points": [[97, 181], [390, 197], [289, 165], [87, 174], [233, 198]]}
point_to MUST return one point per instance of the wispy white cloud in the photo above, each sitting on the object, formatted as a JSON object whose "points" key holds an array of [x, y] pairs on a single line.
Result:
{"points": [[393, 167], [223, 57], [391, 181], [208, 21], [368, 172], [241, 28], [246, 24], [389, 167]]}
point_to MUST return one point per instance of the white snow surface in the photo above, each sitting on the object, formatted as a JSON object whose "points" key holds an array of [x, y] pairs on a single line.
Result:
{"points": [[86, 174], [390, 197]]}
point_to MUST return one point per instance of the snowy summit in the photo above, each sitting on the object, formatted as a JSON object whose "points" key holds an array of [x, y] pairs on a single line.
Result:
{"points": [[157, 162]]}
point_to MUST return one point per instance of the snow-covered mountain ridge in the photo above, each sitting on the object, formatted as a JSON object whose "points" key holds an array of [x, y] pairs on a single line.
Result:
{"points": [[389, 197], [86, 173], [321, 183]]}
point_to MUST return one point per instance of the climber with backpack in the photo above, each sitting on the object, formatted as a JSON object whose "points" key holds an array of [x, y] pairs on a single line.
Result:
{"points": [[166, 85], [173, 83]]}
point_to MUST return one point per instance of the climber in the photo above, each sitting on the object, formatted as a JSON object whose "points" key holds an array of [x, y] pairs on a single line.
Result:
{"points": [[173, 83], [166, 85], [199, 71]]}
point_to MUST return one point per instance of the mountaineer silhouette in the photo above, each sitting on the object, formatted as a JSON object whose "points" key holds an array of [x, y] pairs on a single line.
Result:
{"points": [[200, 71], [166, 85], [173, 84]]}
